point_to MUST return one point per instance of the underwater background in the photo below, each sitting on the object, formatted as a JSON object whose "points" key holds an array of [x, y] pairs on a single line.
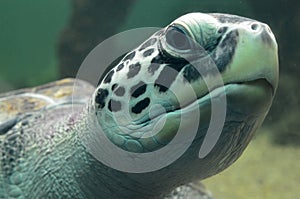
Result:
{"points": [[42, 41]]}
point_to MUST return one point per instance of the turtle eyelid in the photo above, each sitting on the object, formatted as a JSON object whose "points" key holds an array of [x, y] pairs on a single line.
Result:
{"points": [[179, 28]]}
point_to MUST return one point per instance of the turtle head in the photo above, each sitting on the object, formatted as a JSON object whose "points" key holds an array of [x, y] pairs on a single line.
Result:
{"points": [[167, 84]]}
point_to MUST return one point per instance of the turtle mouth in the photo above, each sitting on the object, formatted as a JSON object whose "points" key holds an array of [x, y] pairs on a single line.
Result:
{"points": [[213, 93]]}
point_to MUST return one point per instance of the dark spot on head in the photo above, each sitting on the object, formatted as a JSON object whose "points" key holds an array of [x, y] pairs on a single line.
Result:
{"points": [[129, 56], [190, 73], [212, 45], [165, 79], [114, 86], [170, 71], [153, 67], [225, 18], [161, 87], [205, 66], [148, 52], [140, 106], [108, 77], [228, 45], [138, 89], [162, 58], [167, 76], [114, 105], [100, 97], [120, 91], [133, 70], [120, 67], [265, 36], [148, 43]]}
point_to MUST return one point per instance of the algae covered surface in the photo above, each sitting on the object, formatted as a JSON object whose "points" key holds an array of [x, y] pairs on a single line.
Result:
{"points": [[265, 171]]}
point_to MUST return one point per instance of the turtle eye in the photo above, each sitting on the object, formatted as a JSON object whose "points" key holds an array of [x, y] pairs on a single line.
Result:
{"points": [[177, 38]]}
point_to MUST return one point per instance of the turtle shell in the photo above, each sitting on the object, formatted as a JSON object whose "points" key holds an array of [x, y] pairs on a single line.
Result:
{"points": [[15, 104]]}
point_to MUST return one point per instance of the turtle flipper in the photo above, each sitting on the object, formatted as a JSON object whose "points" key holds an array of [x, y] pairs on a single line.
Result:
{"points": [[195, 190], [27, 118]]}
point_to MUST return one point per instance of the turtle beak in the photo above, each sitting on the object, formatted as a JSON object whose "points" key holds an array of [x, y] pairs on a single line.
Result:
{"points": [[272, 70], [256, 56]]}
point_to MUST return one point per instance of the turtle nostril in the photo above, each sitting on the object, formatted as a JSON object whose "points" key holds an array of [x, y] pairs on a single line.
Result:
{"points": [[254, 26]]}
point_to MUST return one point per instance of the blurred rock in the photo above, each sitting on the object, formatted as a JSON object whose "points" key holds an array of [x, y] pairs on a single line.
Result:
{"points": [[91, 22]]}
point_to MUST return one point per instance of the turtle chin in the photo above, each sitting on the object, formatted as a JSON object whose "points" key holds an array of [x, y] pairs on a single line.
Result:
{"points": [[251, 97], [246, 107]]}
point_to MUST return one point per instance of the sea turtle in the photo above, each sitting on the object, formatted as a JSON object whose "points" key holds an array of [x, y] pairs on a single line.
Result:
{"points": [[49, 135]]}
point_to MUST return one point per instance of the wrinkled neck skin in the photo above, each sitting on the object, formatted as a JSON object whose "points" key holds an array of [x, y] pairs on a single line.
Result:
{"points": [[95, 179], [98, 180]]}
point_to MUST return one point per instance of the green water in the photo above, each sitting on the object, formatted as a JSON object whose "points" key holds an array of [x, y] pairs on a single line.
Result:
{"points": [[29, 32]]}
